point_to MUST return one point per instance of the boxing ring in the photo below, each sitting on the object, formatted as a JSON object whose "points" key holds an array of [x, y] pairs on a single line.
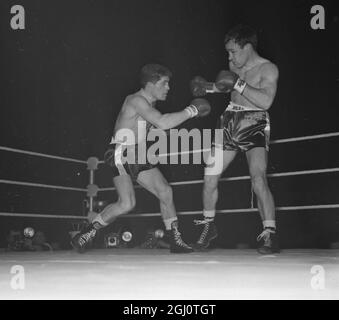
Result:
{"points": [[155, 274]]}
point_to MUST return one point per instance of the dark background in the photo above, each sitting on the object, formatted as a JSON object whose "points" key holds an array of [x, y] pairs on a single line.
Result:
{"points": [[64, 77]]}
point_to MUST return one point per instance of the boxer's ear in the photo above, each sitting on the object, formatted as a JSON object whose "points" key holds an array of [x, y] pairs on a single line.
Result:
{"points": [[247, 47]]}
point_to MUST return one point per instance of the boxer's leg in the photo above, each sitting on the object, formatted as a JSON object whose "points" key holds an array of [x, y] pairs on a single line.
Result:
{"points": [[210, 195], [257, 162], [126, 202], [153, 181], [211, 179]]}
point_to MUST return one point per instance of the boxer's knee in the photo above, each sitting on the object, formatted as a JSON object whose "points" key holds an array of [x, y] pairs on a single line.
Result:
{"points": [[127, 204], [259, 183], [214, 162], [210, 184]]}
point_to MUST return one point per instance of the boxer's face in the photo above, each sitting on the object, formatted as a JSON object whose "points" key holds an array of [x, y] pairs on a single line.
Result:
{"points": [[236, 54], [161, 88]]}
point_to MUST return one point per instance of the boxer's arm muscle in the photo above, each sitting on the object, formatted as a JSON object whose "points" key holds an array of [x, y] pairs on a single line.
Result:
{"points": [[263, 96], [159, 120]]}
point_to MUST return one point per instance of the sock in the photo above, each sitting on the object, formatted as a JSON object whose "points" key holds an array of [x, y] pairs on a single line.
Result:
{"points": [[168, 222], [98, 222], [269, 224], [209, 215]]}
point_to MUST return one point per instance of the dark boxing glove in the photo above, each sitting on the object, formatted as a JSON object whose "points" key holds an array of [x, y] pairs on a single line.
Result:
{"points": [[198, 108], [227, 81], [200, 87]]}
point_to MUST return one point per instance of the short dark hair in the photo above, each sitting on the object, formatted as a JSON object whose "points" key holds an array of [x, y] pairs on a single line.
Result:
{"points": [[153, 73], [242, 35]]}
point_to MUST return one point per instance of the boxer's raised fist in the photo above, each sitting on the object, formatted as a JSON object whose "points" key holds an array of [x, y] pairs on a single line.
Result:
{"points": [[227, 81], [198, 108], [200, 87]]}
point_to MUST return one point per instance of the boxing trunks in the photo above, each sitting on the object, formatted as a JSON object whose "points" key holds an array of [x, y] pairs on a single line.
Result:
{"points": [[123, 159], [244, 128]]}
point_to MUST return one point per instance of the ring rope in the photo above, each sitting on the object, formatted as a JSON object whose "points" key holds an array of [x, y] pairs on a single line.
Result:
{"points": [[40, 185], [311, 137], [289, 208], [271, 175], [138, 215], [297, 139], [41, 155], [36, 215], [317, 171]]}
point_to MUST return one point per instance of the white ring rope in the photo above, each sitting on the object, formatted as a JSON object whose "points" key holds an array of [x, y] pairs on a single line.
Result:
{"points": [[312, 137], [317, 136], [271, 175], [41, 155], [291, 208], [40, 185], [297, 139], [282, 174], [37, 215], [139, 215]]}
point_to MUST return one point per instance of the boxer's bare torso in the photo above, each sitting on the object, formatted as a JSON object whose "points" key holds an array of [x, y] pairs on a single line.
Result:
{"points": [[260, 74], [253, 76], [129, 118]]}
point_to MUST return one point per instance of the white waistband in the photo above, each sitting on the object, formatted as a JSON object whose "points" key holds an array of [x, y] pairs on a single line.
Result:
{"points": [[238, 107]]}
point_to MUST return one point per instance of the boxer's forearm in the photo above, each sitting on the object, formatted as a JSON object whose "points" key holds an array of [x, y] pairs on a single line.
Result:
{"points": [[262, 98], [198, 108], [171, 120]]}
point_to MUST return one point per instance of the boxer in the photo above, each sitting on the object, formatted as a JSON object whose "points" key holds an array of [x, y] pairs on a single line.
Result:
{"points": [[140, 107], [252, 82]]}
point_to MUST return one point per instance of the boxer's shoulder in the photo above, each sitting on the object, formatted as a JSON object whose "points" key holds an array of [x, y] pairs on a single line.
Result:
{"points": [[135, 99], [267, 66], [138, 101], [133, 103]]}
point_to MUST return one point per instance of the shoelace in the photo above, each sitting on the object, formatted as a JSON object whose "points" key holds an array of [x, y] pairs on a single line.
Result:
{"points": [[205, 231], [265, 234], [87, 236], [198, 222], [178, 240]]}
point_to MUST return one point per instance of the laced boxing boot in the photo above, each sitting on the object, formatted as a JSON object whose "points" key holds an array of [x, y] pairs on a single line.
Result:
{"points": [[268, 240], [208, 233], [81, 240], [177, 244]]}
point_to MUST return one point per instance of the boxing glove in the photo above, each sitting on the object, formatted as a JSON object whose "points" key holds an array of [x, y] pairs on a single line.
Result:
{"points": [[227, 81], [200, 87], [198, 108]]}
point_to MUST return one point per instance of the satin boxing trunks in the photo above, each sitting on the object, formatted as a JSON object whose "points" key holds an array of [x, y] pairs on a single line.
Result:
{"points": [[244, 128]]}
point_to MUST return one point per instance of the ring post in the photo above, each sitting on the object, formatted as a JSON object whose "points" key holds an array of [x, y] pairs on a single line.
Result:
{"points": [[92, 188]]}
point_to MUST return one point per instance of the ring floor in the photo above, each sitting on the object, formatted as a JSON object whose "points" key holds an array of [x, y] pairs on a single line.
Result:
{"points": [[155, 274]]}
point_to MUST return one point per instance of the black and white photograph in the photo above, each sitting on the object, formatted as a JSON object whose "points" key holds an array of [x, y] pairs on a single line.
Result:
{"points": [[167, 154]]}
